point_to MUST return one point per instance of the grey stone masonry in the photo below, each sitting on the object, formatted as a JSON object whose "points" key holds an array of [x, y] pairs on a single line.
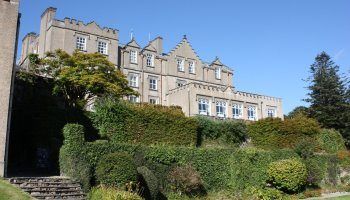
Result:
{"points": [[50, 187], [9, 22]]}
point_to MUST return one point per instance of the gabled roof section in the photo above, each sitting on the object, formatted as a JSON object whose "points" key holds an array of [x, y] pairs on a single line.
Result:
{"points": [[133, 43], [183, 42], [217, 62], [150, 47]]}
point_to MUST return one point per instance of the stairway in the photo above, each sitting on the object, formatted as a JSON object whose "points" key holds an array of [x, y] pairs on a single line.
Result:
{"points": [[49, 187]]}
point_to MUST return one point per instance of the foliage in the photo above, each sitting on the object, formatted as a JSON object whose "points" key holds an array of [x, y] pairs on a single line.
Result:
{"points": [[186, 180], [110, 193], [305, 149], [149, 182], [266, 193], [333, 171], [273, 133], [315, 171], [116, 169], [309, 193], [230, 132], [73, 163], [81, 76], [329, 95], [288, 175], [121, 121], [297, 111], [330, 141]]}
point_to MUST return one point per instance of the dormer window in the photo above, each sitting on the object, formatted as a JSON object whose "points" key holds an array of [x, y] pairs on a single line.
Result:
{"points": [[180, 65], [102, 47], [218, 73], [133, 56], [149, 60], [81, 43], [191, 67]]}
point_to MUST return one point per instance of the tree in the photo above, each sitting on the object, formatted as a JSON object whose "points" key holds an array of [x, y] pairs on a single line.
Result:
{"points": [[81, 76], [328, 96], [297, 111]]}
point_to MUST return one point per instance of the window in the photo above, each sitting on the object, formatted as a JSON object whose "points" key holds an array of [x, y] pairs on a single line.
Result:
{"points": [[133, 98], [237, 111], [191, 68], [153, 100], [203, 106], [251, 113], [81, 43], [133, 56], [153, 84], [271, 112], [180, 65], [218, 73], [221, 109], [102, 47], [149, 60], [133, 80]]}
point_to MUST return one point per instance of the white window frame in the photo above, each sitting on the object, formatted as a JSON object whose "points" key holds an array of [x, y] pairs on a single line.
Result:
{"points": [[133, 56], [252, 113], [191, 67], [180, 64], [271, 111], [220, 105], [152, 98], [133, 80], [153, 85], [102, 47], [218, 73], [80, 43], [237, 110], [133, 99], [149, 60], [203, 106]]}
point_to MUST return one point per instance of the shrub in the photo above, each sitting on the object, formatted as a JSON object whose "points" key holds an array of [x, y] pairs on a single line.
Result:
{"points": [[333, 171], [186, 180], [330, 141], [273, 133], [116, 169], [148, 181], [305, 149], [146, 124], [287, 175], [109, 193], [315, 171], [266, 193], [72, 160], [227, 131]]}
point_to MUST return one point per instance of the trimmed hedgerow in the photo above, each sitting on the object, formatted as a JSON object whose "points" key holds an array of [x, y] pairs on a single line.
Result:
{"points": [[116, 169], [231, 132], [273, 133], [72, 159], [288, 175], [149, 182], [120, 121]]}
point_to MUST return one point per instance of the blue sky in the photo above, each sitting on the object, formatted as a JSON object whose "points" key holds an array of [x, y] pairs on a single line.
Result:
{"points": [[269, 44]]}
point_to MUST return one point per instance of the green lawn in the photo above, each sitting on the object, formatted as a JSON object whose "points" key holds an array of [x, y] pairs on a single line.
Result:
{"points": [[340, 198], [8, 191]]}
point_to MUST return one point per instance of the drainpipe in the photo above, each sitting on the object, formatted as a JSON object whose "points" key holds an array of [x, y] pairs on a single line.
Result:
{"points": [[261, 107]]}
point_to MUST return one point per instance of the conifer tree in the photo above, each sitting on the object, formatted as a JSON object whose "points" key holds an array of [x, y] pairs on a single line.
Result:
{"points": [[329, 95]]}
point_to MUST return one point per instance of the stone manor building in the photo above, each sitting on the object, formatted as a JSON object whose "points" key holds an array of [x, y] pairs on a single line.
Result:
{"points": [[178, 77]]}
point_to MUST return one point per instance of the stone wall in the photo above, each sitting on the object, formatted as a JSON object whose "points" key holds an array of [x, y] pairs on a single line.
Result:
{"points": [[9, 22]]}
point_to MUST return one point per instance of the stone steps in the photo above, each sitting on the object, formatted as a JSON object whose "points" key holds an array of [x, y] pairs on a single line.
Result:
{"points": [[49, 187]]}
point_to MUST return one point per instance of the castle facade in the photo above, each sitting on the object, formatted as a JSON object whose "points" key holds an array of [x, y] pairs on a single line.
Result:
{"points": [[178, 77]]}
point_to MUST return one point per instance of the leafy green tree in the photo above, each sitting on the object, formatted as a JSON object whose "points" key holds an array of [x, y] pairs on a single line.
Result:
{"points": [[81, 76], [297, 111], [329, 96]]}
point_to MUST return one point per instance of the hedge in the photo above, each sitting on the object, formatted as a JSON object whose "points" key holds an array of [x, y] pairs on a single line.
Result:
{"points": [[273, 133], [147, 124], [109, 193], [220, 132]]}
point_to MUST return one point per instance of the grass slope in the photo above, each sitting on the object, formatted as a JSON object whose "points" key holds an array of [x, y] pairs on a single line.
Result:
{"points": [[8, 191]]}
